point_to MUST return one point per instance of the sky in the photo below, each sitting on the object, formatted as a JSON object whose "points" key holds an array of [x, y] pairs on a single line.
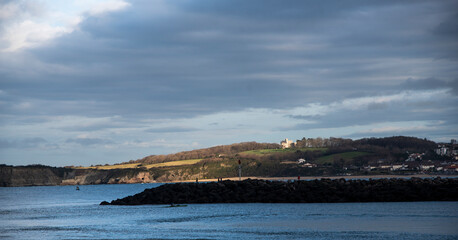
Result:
{"points": [[85, 82]]}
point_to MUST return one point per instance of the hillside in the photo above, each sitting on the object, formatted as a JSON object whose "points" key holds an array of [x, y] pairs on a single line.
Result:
{"points": [[308, 157], [207, 152]]}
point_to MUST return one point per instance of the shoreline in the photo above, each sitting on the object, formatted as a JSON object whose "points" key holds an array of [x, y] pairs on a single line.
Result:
{"points": [[319, 191], [236, 179], [319, 177]]}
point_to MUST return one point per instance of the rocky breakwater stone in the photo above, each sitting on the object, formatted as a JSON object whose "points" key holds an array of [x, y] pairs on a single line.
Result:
{"points": [[316, 191]]}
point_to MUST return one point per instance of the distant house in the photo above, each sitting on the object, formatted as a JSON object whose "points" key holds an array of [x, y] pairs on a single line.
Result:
{"points": [[385, 166], [301, 161], [304, 163], [451, 168], [398, 167], [309, 165], [427, 167], [368, 168], [415, 157], [394, 167], [286, 143]]}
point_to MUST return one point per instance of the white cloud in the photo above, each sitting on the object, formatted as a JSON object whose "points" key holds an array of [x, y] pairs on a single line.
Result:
{"points": [[19, 8], [364, 102], [29, 34], [28, 24], [107, 6]]}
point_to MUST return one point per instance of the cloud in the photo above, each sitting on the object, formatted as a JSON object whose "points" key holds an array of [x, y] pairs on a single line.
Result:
{"points": [[447, 29], [422, 84], [85, 141], [29, 34], [220, 72], [422, 129], [227, 68], [424, 105], [107, 6], [160, 143], [171, 129], [94, 124], [395, 129], [29, 24], [23, 143]]}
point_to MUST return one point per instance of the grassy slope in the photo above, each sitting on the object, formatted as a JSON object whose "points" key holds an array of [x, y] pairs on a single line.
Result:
{"points": [[250, 167], [286, 150], [109, 167], [264, 161], [173, 163], [136, 165], [347, 156], [228, 167]]}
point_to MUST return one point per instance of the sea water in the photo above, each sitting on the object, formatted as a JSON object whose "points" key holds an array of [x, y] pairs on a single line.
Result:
{"points": [[61, 212]]}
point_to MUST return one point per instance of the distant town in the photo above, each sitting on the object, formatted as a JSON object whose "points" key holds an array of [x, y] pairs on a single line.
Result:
{"points": [[444, 158]]}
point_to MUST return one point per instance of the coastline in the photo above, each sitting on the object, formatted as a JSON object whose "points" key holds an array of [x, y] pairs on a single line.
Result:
{"points": [[317, 191], [319, 177]]}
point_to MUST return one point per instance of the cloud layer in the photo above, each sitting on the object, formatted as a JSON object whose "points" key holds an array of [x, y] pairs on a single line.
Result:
{"points": [[110, 81]]}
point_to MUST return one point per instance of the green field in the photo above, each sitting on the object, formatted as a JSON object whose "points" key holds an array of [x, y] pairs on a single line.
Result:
{"points": [[286, 150], [347, 156]]}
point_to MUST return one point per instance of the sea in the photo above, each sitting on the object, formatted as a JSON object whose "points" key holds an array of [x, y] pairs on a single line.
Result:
{"points": [[62, 212]]}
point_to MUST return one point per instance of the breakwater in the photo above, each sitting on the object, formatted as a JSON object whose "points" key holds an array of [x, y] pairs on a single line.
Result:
{"points": [[316, 191]]}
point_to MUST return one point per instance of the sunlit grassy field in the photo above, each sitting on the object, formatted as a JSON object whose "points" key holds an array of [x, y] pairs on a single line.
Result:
{"points": [[138, 165], [173, 163], [286, 150], [108, 167]]}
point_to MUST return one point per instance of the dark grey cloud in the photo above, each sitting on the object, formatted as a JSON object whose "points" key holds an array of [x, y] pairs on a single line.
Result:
{"points": [[436, 131], [422, 84], [203, 57], [89, 141], [305, 117], [23, 143], [432, 110], [171, 129], [429, 134], [109, 124], [430, 83], [449, 26], [454, 86]]}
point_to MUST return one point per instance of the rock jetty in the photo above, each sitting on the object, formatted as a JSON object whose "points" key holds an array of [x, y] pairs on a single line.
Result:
{"points": [[315, 191]]}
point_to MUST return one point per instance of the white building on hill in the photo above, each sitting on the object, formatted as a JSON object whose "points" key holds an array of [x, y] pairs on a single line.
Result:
{"points": [[286, 143]]}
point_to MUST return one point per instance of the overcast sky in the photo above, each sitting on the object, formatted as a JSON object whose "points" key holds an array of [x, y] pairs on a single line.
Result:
{"points": [[92, 82]]}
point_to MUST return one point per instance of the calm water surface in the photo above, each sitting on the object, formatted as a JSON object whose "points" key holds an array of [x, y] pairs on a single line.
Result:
{"points": [[60, 212]]}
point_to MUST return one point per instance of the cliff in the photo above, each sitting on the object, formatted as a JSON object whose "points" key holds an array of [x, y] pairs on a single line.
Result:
{"points": [[47, 176], [30, 176]]}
